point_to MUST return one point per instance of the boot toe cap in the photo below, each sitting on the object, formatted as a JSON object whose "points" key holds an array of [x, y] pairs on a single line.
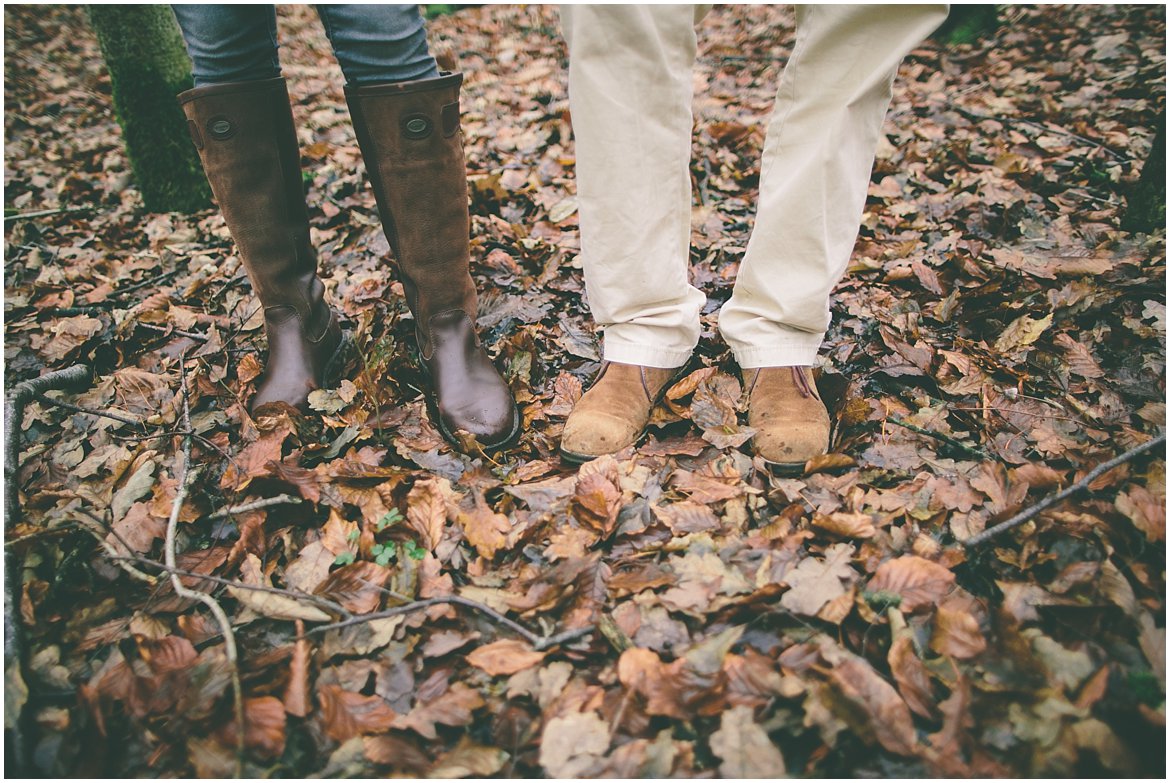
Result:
{"points": [[594, 433]]}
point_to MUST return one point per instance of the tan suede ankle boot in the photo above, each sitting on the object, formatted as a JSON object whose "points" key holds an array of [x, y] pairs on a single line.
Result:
{"points": [[614, 413], [787, 411]]}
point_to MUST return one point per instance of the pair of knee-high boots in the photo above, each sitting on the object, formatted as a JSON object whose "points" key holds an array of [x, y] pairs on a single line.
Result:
{"points": [[410, 140]]}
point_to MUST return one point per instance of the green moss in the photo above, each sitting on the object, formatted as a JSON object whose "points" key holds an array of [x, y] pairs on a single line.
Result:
{"points": [[148, 67]]}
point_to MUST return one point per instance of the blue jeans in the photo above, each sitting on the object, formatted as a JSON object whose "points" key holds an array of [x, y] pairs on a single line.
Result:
{"points": [[374, 44]]}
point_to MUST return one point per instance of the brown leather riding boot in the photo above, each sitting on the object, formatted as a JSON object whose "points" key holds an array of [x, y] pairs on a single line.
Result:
{"points": [[246, 141], [614, 413], [410, 140], [787, 411]]}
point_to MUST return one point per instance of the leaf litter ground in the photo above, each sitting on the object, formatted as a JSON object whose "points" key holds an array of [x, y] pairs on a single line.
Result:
{"points": [[997, 337]]}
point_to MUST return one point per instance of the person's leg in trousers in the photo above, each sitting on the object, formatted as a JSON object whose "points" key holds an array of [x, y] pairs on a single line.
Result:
{"points": [[630, 91], [241, 123], [815, 171], [406, 118]]}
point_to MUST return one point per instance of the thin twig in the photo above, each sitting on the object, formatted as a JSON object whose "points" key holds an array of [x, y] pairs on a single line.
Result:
{"points": [[184, 473], [963, 447], [537, 641], [296, 595], [45, 213], [256, 505], [90, 411], [143, 284], [1048, 129], [1072, 489], [169, 330]]}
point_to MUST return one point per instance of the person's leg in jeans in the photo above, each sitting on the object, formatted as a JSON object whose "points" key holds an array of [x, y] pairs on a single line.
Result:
{"points": [[229, 43], [241, 123], [630, 89], [406, 117], [815, 171], [378, 44]]}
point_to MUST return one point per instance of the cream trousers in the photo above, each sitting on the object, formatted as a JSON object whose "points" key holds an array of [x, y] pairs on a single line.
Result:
{"points": [[630, 90]]}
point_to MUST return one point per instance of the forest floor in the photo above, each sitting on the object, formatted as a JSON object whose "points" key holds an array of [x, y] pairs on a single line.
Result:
{"points": [[997, 337]]}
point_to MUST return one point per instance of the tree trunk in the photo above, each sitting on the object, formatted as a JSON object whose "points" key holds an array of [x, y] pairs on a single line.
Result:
{"points": [[148, 67], [1145, 205]]}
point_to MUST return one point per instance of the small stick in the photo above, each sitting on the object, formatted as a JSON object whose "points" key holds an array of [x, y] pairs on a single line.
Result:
{"points": [[256, 505], [143, 284], [538, 642], [185, 473], [168, 330], [968, 450], [90, 411], [296, 595], [45, 213], [1072, 489]]}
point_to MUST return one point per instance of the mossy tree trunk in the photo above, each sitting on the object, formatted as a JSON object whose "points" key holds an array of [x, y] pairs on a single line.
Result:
{"points": [[1145, 204], [148, 66]]}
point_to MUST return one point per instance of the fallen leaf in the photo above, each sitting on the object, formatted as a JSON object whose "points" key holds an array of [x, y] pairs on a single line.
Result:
{"points": [[919, 582], [745, 748], [506, 656]]}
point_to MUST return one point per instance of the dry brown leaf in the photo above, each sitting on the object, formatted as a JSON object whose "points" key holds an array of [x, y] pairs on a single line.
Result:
{"points": [[874, 707], [264, 727], [346, 715], [919, 582], [744, 747], [483, 528], [427, 508], [956, 633], [296, 694], [596, 502], [846, 524], [911, 676], [453, 708], [571, 745], [686, 517], [813, 583], [469, 760], [506, 656], [357, 586]]}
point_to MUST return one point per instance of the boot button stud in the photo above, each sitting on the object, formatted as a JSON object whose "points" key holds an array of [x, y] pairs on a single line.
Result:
{"points": [[417, 127], [220, 128]]}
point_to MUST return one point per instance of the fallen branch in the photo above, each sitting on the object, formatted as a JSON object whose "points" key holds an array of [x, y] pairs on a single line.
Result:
{"points": [[184, 474], [13, 639], [1072, 489], [18, 398]]}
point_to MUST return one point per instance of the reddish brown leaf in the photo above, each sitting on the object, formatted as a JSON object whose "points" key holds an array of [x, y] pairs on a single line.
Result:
{"points": [[919, 582], [357, 586], [911, 676], [875, 708], [484, 529], [453, 708], [346, 715], [956, 633], [428, 506], [506, 656]]}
